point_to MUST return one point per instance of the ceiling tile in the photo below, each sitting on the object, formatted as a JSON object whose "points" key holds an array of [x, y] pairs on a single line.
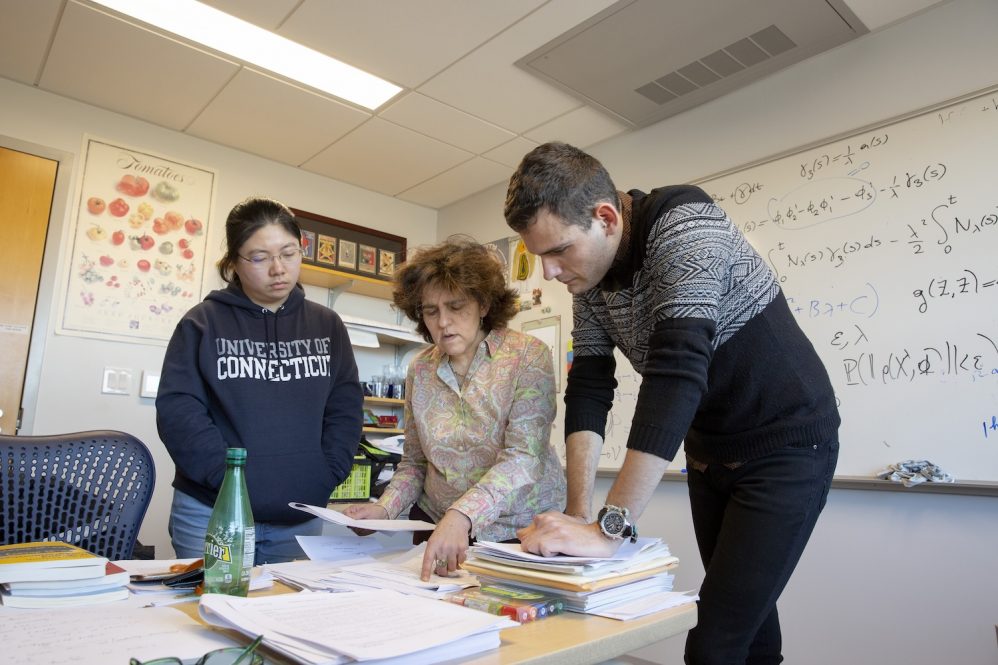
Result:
{"points": [[582, 127], [487, 84], [275, 119], [94, 59], [430, 117], [461, 181], [511, 153], [385, 157], [267, 14], [403, 41], [25, 32], [878, 13]]}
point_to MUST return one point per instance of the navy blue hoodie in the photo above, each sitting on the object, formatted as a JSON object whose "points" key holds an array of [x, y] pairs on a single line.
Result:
{"points": [[282, 385]]}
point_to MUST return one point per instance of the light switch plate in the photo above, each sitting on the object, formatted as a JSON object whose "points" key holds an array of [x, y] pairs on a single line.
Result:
{"points": [[116, 381]]}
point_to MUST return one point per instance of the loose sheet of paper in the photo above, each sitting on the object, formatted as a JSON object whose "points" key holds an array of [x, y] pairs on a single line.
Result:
{"points": [[345, 549], [103, 634], [336, 517], [627, 550], [639, 607]]}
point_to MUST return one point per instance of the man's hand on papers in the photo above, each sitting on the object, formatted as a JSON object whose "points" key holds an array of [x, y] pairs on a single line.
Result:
{"points": [[554, 533], [365, 511], [447, 548]]}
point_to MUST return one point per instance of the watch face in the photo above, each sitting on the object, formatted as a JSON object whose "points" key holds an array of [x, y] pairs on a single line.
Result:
{"points": [[613, 523]]}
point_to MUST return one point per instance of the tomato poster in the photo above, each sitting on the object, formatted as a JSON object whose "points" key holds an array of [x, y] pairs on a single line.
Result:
{"points": [[138, 244]]}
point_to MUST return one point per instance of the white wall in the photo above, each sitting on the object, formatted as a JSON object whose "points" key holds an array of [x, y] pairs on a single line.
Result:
{"points": [[64, 386], [887, 577]]}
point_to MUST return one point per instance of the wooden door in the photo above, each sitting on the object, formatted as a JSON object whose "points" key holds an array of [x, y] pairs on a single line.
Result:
{"points": [[26, 186]]}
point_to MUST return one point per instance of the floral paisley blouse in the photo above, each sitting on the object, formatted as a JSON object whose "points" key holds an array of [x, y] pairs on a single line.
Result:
{"points": [[482, 448]]}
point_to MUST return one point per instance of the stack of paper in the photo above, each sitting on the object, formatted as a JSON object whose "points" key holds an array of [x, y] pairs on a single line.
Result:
{"points": [[399, 573], [632, 562], [156, 594], [638, 573], [57, 574], [337, 627], [110, 633]]}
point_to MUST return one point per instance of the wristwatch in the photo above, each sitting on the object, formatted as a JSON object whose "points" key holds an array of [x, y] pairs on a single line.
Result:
{"points": [[614, 524]]}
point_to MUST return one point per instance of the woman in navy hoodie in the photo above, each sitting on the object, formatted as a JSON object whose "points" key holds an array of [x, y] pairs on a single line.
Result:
{"points": [[257, 366]]}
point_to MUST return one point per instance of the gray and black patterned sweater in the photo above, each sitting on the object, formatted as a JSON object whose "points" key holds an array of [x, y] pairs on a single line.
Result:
{"points": [[701, 318]]}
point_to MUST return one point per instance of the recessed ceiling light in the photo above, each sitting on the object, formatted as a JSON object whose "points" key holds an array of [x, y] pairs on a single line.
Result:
{"points": [[223, 32]]}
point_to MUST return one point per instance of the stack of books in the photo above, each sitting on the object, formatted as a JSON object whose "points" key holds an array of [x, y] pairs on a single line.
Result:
{"points": [[57, 574], [640, 573]]}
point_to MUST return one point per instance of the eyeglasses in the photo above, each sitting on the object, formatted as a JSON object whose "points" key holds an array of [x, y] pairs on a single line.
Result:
{"points": [[228, 656], [288, 256], [454, 308]]}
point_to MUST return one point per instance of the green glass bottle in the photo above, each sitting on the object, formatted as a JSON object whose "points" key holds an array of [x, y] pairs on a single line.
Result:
{"points": [[230, 541]]}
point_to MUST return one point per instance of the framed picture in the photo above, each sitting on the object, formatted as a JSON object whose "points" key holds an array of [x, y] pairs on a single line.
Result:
{"points": [[139, 229], [325, 252], [347, 255], [386, 263], [308, 245], [343, 247], [367, 259]]}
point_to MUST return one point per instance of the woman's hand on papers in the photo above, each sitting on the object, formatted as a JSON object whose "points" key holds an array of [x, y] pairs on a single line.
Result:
{"points": [[557, 533], [365, 511], [447, 548]]}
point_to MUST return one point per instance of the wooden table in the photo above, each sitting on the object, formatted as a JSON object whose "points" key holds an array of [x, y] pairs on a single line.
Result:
{"points": [[580, 639], [565, 639]]}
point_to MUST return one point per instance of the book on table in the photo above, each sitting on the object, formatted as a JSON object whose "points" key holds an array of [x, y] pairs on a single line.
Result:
{"points": [[67, 593], [48, 560], [85, 597]]}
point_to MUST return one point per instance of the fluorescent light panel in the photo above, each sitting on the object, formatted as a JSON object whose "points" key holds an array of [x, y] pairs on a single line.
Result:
{"points": [[225, 33]]}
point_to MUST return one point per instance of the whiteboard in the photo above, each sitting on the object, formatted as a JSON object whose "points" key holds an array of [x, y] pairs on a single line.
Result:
{"points": [[885, 243]]}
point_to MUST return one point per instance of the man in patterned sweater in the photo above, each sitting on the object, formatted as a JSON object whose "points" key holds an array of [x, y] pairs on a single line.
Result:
{"points": [[666, 278]]}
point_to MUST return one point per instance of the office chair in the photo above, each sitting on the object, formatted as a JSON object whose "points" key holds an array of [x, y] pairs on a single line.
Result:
{"points": [[90, 489]]}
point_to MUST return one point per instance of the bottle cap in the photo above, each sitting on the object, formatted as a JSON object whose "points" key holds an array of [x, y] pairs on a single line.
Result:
{"points": [[235, 454]]}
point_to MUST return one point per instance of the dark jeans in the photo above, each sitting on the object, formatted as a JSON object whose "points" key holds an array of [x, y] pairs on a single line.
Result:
{"points": [[752, 523]]}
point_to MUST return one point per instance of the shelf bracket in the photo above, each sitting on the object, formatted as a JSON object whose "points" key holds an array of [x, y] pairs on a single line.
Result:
{"points": [[334, 293]]}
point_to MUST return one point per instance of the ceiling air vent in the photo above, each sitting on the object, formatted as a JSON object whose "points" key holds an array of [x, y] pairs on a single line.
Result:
{"points": [[712, 68], [645, 60]]}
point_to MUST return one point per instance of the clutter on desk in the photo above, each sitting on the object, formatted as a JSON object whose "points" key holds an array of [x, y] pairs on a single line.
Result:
{"points": [[57, 574], [146, 580], [111, 586], [108, 633], [48, 560], [635, 581], [335, 627], [398, 572], [519, 604]]}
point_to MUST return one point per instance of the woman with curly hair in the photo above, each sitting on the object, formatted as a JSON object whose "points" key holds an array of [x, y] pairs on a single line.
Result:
{"points": [[480, 401]]}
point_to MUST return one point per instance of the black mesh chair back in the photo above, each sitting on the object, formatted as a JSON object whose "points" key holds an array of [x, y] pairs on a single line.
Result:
{"points": [[90, 489]]}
